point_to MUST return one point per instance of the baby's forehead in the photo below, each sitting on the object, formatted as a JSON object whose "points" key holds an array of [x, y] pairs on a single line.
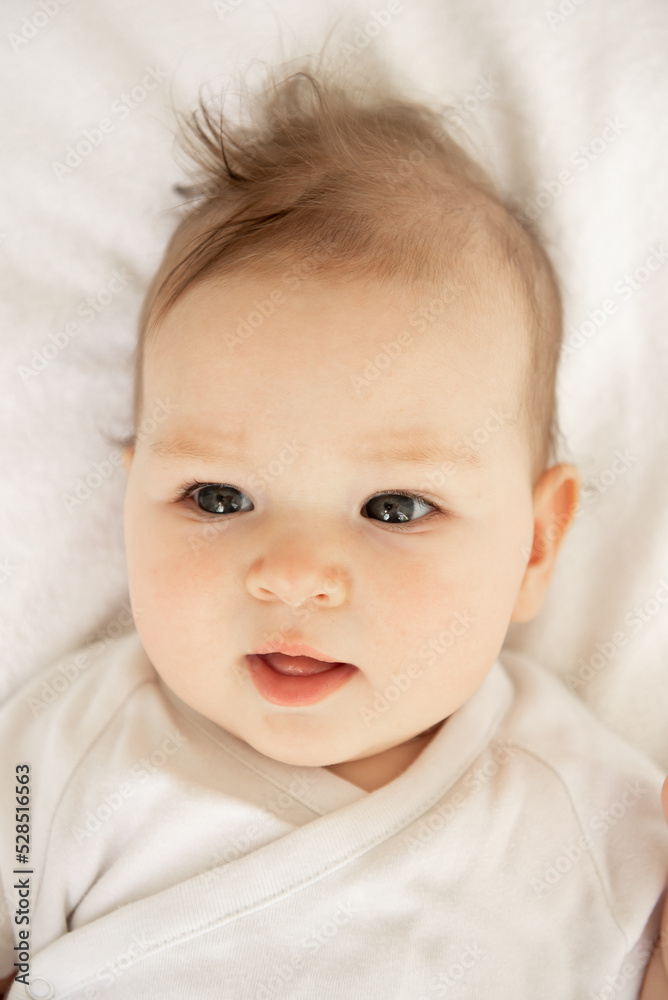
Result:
{"points": [[449, 384], [461, 337]]}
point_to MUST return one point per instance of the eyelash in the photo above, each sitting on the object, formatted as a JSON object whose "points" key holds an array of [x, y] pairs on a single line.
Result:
{"points": [[184, 493]]}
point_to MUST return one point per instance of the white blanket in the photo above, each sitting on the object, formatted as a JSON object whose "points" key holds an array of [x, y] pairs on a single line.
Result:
{"points": [[565, 100]]}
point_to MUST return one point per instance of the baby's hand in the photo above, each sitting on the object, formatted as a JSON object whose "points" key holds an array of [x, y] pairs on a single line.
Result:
{"points": [[655, 985]]}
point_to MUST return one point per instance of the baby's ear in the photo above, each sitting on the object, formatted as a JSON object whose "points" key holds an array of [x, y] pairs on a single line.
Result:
{"points": [[555, 502], [127, 456]]}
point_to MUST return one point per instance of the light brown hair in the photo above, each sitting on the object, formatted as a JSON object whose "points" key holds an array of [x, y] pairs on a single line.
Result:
{"points": [[359, 185]]}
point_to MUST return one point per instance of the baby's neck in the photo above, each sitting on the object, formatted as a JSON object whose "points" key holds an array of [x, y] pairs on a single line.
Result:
{"points": [[373, 772]]}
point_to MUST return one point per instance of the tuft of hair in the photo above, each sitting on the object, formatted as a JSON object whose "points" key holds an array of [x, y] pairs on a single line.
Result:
{"points": [[355, 181]]}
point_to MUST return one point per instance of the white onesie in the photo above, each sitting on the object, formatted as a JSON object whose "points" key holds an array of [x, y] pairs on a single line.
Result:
{"points": [[522, 855]]}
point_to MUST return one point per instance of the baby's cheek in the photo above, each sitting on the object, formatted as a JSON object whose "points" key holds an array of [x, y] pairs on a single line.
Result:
{"points": [[170, 580], [462, 617]]}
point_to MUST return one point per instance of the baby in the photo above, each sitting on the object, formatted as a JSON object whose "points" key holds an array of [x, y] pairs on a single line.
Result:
{"points": [[312, 771]]}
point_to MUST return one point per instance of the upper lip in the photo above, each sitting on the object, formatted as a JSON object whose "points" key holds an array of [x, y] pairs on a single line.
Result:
{"points": [[294, 650]]}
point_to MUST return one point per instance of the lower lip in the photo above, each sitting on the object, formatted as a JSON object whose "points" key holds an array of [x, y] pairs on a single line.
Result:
{"points": [[289, 689]]}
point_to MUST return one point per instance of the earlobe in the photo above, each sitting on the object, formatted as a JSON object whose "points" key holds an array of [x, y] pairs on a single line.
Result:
{"points": [[555, 504]]}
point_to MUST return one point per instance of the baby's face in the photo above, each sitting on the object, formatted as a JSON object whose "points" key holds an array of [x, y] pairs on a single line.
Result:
{"points": [[299, 417]]}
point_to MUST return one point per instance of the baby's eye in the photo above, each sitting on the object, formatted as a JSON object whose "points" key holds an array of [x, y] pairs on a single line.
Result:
{"points": [[395, 509], [216, 499], [398, 508]]}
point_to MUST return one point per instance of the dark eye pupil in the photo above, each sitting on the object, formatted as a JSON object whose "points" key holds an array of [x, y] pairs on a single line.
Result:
{"points": [[391, 510], [213, 499]]}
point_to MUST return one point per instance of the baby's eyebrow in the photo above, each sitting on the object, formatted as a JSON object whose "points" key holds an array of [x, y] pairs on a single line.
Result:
{"points": [[411, 447], [400, 446]]}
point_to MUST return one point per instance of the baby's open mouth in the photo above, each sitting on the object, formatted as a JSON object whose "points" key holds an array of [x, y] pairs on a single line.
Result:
{"points": [[302, 666], [296, 680]]}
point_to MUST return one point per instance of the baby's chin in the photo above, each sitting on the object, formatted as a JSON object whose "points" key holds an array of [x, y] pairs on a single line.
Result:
{"points": [[310, 745], [303, 751]]}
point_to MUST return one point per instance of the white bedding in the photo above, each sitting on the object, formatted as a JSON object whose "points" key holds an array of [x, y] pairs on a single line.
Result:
{"points": [[567, 102]]}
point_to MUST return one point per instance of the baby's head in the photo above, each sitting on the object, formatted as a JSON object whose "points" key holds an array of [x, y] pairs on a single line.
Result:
{"points": [[344, 429]]}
